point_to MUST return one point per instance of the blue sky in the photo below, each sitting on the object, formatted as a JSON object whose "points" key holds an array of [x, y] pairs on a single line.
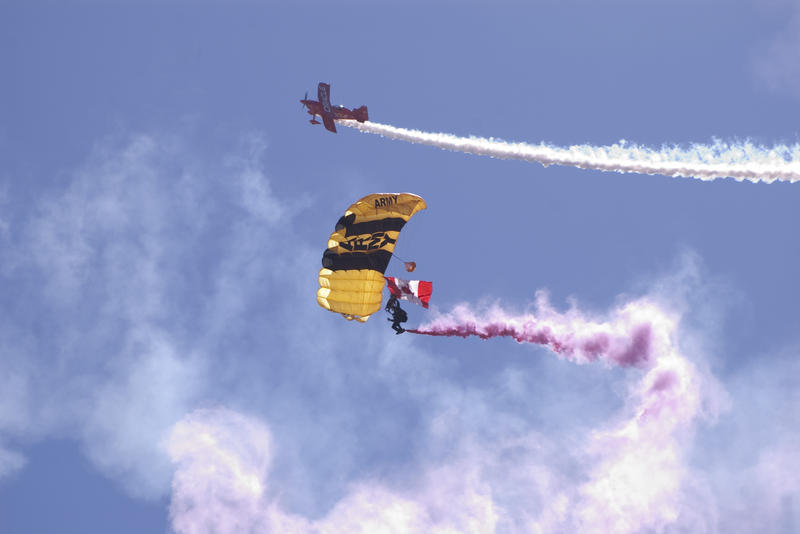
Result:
{"points": [[164, 205]]}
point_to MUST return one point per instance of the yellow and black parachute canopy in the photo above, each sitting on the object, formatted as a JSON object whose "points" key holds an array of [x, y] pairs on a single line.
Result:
{"points": [[351, 279]]}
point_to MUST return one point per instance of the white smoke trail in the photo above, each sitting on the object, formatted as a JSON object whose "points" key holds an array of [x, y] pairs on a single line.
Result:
{"points": [[740, 161]]}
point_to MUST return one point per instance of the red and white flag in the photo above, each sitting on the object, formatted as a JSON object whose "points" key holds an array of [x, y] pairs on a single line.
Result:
{"points": [[416, 291]]}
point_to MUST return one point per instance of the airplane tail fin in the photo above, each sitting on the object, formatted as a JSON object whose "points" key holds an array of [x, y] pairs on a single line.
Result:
{"points": [[361, 114]]}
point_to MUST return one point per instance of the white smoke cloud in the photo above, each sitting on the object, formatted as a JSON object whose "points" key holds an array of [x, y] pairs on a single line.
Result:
{"points": [[98, 347], [149, 388], [222, 485], [10, 462], [752, 461]]}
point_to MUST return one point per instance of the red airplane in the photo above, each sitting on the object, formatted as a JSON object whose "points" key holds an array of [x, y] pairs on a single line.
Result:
{"points": [[330, 113]]}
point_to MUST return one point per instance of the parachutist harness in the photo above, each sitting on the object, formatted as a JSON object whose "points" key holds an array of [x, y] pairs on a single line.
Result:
{"points": [[399, 315]]}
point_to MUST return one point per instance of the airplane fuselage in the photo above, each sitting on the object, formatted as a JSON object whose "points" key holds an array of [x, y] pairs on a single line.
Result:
{"points": [[336, 112]]}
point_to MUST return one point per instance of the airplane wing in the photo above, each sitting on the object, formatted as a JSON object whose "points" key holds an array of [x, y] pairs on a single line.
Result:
{"points": [[324, 96], [327, 120]]}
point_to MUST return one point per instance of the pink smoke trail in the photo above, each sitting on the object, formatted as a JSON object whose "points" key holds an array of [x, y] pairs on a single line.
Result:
{"points": [[626, 343]]}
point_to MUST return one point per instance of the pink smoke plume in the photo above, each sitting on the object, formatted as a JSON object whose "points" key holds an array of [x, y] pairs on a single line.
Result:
{"points": [[636, 482], [627, 341], [635, 476]]}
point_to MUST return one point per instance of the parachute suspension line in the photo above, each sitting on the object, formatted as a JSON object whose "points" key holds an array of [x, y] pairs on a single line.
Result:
{"points": [[398, 257]]}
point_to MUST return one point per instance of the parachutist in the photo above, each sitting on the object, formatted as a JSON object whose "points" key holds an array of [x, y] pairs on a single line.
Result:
{"points": [[399, 315]]}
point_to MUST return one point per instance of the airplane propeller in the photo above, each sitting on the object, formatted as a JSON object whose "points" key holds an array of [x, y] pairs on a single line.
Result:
{"points": [[302, 106]]}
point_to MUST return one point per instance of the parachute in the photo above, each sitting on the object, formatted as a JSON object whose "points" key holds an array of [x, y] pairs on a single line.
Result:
{"points": [[351, 279]]}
